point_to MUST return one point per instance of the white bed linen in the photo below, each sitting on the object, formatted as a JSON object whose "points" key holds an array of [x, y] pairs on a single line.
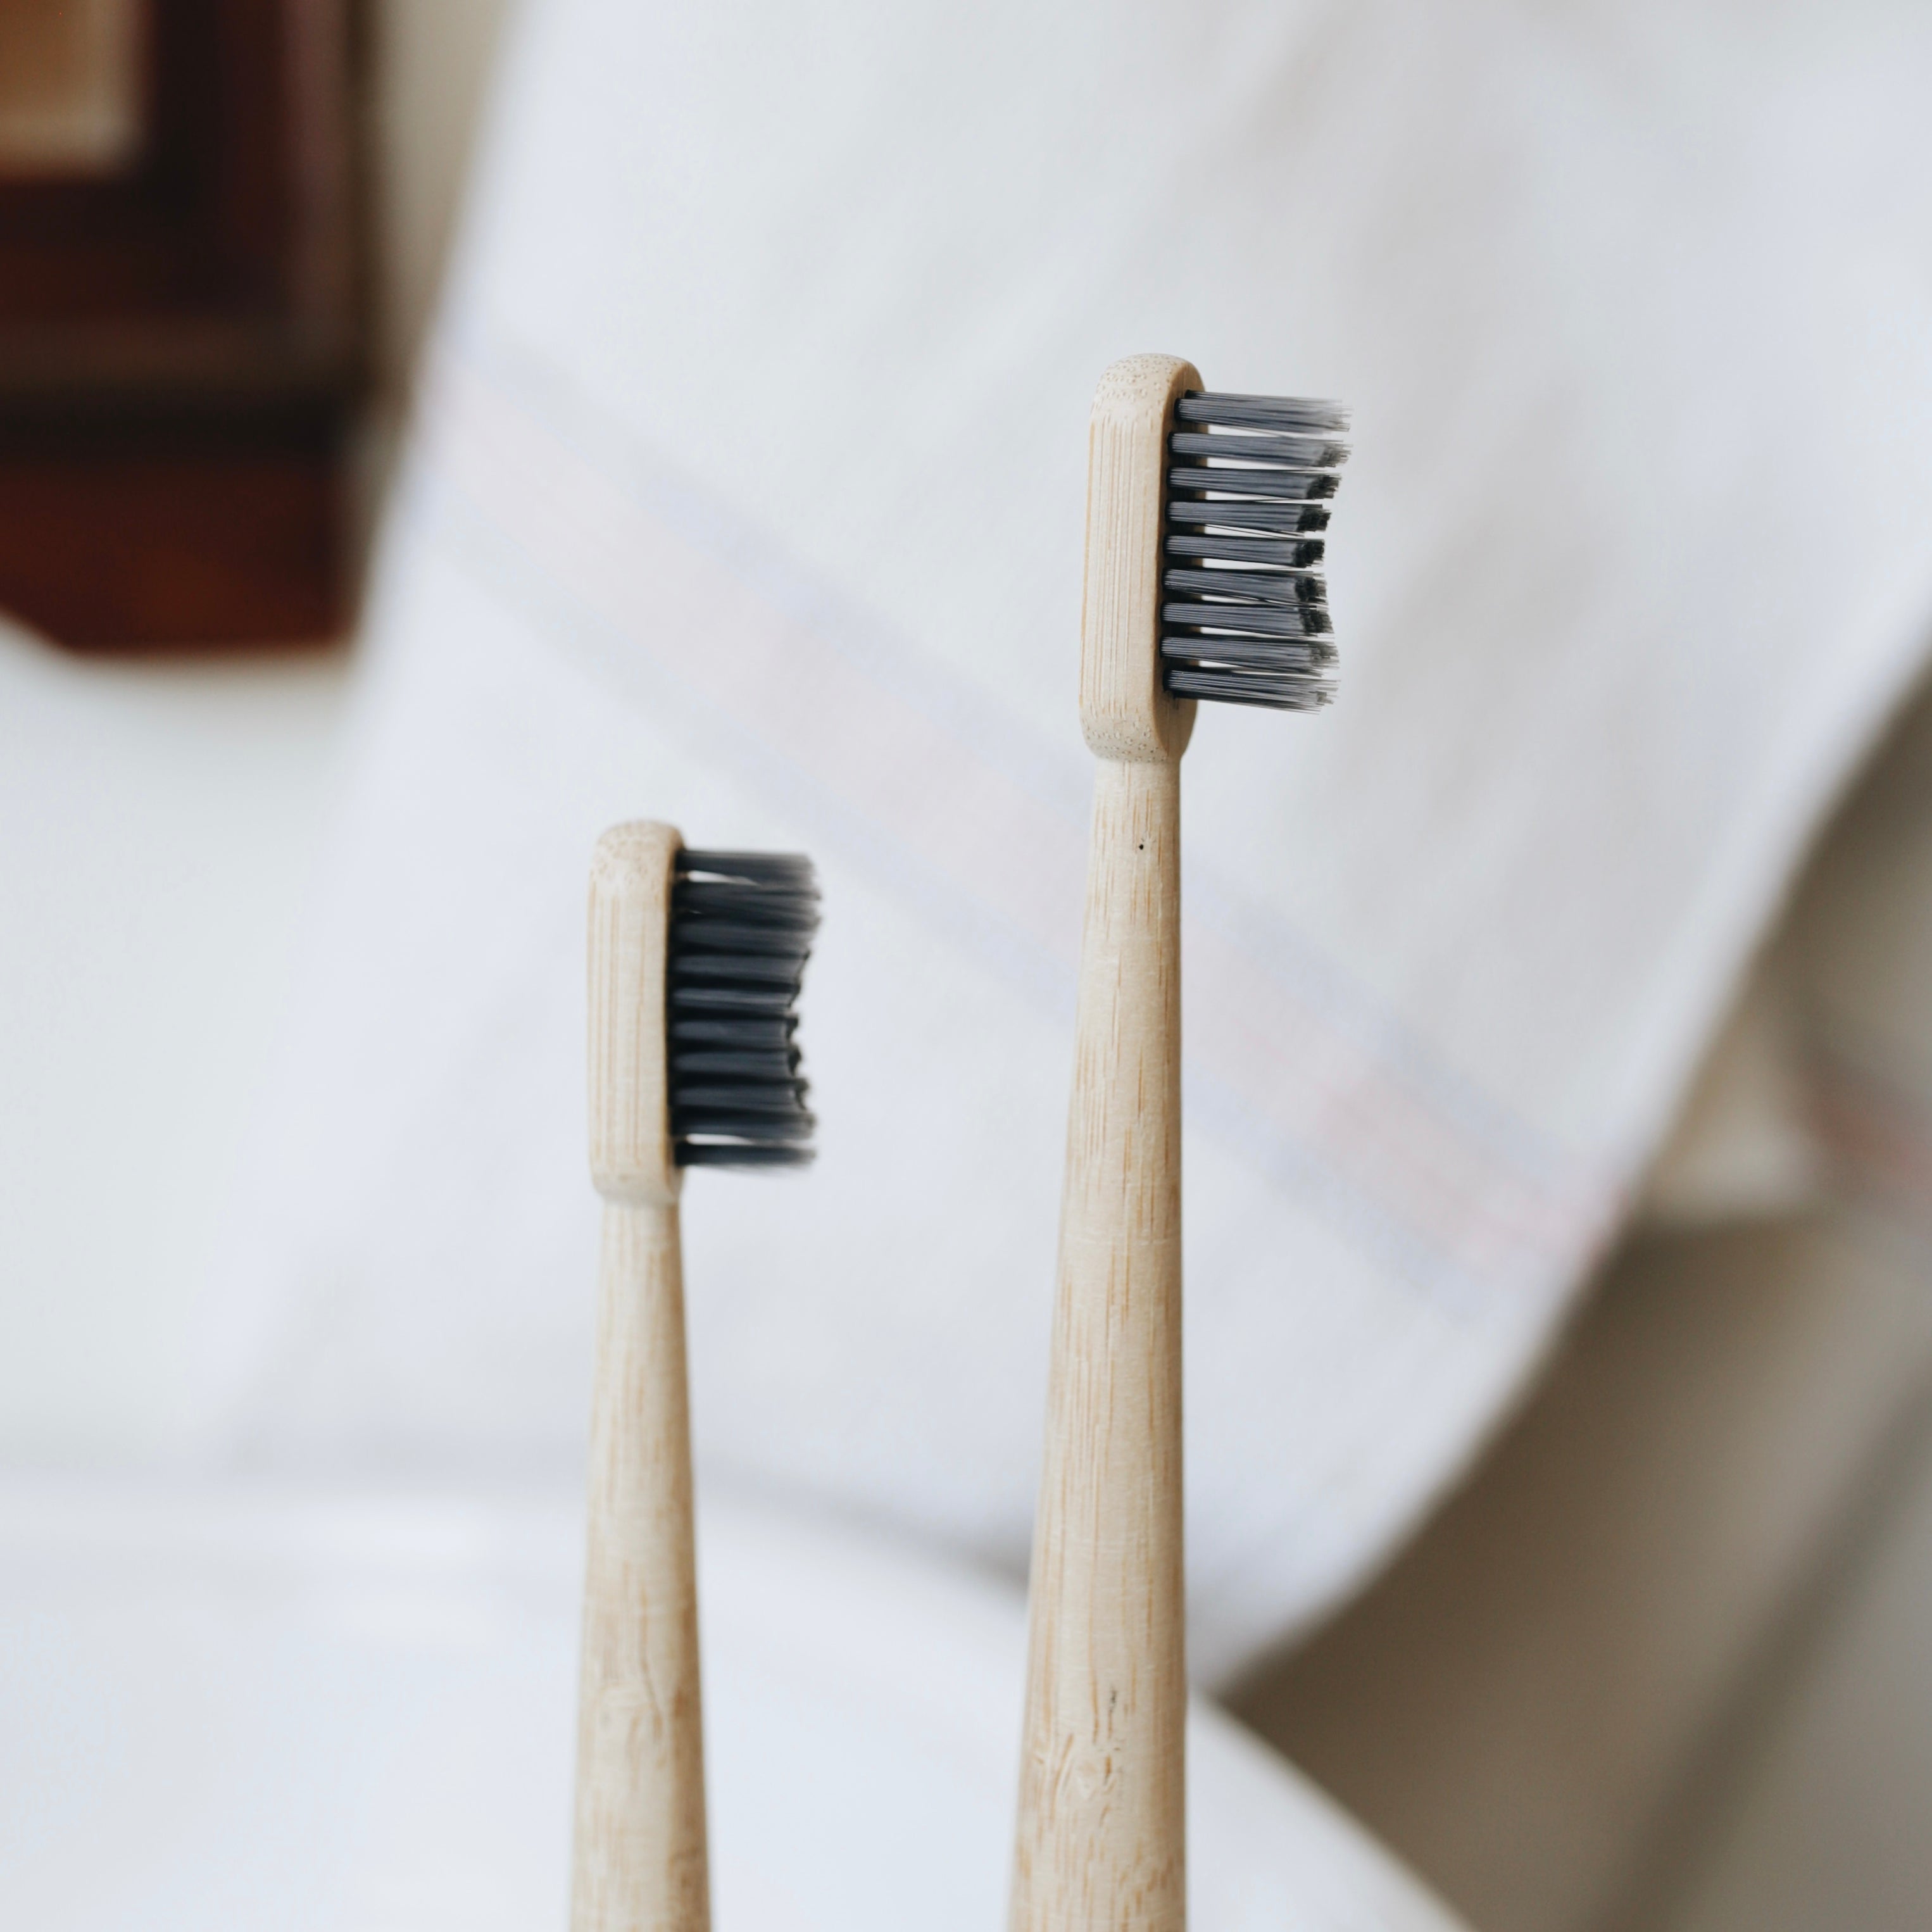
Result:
{"points": [[747, 493], [344, 1711]]}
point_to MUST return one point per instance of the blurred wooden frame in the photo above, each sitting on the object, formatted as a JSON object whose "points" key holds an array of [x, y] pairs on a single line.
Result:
{"points": [[180, 345]]}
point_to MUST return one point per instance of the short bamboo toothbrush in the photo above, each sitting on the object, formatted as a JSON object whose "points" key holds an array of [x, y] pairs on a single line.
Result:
{"points": [[695, 961], [1205, 515]]}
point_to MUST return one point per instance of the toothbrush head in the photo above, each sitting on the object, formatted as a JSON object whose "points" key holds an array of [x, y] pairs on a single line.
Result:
{"points": [[696, 959], [741, 927], [1244, 608], [1206, 516]]}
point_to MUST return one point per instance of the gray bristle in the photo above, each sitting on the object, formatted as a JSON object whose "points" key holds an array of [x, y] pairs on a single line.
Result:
{"points": [[741, 929], [1244, 613]]}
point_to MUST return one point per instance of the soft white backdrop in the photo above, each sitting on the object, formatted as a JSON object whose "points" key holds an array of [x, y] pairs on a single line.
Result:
{"points": [[746, 492], [160, 826]]}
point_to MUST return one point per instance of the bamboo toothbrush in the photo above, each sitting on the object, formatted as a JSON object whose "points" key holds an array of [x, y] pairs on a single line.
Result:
{"points": [[695, 961], [1203, 580]]}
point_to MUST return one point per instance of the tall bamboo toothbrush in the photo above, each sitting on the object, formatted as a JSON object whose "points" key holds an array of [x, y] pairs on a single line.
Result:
{"points": [[1205, 515], [695, 962]]}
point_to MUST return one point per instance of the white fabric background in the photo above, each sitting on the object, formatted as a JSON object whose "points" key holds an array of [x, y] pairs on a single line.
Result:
{"points": [[326, 1708], [747, 494]]}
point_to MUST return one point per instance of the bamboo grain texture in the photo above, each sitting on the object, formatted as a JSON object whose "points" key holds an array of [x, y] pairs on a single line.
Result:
{"points": [[639, 1859], [640, 1863], [1101, 1845]]}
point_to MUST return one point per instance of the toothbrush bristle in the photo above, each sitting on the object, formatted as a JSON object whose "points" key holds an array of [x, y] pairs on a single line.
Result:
{"points": [[1244, 608], [741, 928]]}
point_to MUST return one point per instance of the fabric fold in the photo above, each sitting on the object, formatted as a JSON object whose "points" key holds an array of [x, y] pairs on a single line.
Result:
{"points": [[745, 492]]}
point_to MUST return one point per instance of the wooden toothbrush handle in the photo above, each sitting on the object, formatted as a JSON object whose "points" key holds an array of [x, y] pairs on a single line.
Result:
{"points": [[640, 1863], [1102, 1841]]}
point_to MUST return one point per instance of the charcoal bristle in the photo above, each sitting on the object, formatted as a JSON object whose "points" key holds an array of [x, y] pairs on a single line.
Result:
{"points": [[1303, 415], [741, 929], [1290, 553], [1266, 519], [740, 1153], [1244, 616]]}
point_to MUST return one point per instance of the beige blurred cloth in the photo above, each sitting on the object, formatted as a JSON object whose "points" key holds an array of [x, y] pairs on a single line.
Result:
{"points": [[1642, 1639], [1551, 1702], [747, 494]]}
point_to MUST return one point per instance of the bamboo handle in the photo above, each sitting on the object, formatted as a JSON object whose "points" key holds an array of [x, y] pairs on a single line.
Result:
{"points": [[1102, 1842], [639, 1864], [1102, 1839]]}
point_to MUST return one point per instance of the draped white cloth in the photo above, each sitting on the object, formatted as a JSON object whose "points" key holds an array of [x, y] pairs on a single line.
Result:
{"points": [[325, 1707], [746, 493]]}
